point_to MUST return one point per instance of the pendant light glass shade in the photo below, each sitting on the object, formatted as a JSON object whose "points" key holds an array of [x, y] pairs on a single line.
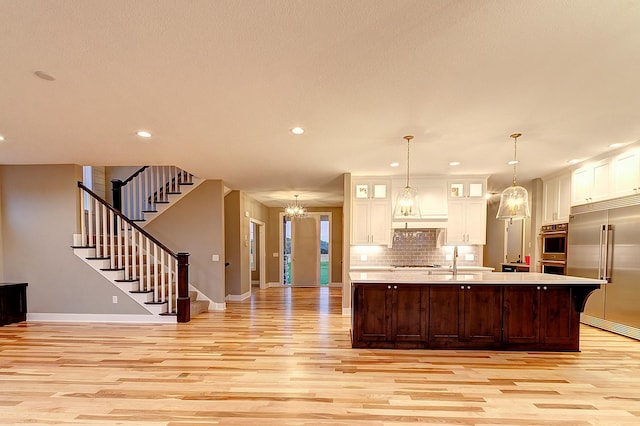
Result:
{"points": [[514, 200], [295, 210], [407, 205]]}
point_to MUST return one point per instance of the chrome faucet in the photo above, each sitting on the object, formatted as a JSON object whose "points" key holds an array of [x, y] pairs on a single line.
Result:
{"points": [[455, 260]]}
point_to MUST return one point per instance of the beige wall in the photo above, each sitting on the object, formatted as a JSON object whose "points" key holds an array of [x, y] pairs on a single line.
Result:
{"points": [[233, 251], [195, 224], [39, 218], [116, 172]]}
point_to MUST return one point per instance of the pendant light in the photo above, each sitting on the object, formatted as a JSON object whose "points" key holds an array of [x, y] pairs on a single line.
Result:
{"points": [[295, 210], [514, 200], [407, 205]]}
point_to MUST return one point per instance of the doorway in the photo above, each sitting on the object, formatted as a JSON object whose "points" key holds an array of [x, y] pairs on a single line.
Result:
{"points": [[306, 250], [257, 253]]}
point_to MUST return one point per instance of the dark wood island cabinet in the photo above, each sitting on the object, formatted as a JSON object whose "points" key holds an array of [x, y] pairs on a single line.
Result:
{"points": [[13, 303], [483, 311]]}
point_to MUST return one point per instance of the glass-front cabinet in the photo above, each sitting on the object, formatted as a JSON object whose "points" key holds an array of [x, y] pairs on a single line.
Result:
{"points": [[371, 215]]}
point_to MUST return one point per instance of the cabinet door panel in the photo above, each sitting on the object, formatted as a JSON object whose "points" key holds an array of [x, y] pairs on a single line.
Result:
{"points": [[483, 315], [558, 316], [476, 221], [374, 310], [380, 222], [446, 306], [521, 319], [360, 222], [410, 320]]}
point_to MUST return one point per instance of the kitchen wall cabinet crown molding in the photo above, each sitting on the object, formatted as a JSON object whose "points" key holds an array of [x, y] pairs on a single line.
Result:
{"points": [[371, 211], [556, 203]]}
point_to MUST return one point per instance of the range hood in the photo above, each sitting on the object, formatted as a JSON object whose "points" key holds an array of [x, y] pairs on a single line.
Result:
{"points": [[423, 223]]}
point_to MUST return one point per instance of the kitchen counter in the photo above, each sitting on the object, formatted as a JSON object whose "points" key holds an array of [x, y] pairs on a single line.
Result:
{"points": [[483, 310], [493, 278], [431, 269]]}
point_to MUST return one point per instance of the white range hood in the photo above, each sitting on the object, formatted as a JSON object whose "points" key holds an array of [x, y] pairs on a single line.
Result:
{"points": [[424, 223]]}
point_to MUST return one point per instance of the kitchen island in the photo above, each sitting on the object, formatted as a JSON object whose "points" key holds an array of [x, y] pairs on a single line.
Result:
{"points": [[487, 310]]}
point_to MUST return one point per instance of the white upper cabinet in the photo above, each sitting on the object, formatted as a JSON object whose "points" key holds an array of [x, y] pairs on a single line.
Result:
{"points": [[613, 177], [626, 173], [371, 211], [556, 199], [591, 183], [467, 222]]}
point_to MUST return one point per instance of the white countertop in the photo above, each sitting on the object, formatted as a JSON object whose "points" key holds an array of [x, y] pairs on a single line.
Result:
{"points": [[424, 277], [432, 269]]}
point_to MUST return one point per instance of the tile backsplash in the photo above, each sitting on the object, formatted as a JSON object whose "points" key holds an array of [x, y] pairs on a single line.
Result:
{"points": [[415, 247]]}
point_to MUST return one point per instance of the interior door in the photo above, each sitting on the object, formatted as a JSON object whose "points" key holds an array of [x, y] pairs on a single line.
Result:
{"points": [[305, 250]]}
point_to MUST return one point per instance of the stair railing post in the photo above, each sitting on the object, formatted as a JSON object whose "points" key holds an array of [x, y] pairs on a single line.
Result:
{"points": [[116, 190], [184, 304]]}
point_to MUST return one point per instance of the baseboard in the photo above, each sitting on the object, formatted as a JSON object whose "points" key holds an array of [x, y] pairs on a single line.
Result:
{"points": [[335, 284], [614, 327], [214, 306], [238, 297], [346, 312], [274, 285], [53, 317]]}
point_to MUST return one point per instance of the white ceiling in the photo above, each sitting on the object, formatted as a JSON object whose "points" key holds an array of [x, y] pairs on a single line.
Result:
{"points": [[219, 84]]}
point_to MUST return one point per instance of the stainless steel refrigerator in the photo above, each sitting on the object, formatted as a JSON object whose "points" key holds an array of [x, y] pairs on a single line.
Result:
{"points": [[604, 242]]}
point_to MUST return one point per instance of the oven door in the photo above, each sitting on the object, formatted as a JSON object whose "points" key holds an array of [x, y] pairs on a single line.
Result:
{"points": [[556, 267], [554, 246]]}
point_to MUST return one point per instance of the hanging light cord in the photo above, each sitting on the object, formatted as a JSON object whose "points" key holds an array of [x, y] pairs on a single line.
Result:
{"points": [[515, 155], [408, 138]]}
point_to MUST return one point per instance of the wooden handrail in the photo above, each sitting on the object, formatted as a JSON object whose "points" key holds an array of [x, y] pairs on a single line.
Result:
{"points": [[129, 221], [130, 178]]}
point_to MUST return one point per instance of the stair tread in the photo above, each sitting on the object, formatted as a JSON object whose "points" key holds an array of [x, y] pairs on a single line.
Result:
{"points": [[97, 258], [148, 211], [83, 247]]}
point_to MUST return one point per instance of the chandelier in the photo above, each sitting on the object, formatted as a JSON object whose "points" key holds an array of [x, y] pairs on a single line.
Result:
{"points": [[295, 210], [407, 200], [514, 200]]}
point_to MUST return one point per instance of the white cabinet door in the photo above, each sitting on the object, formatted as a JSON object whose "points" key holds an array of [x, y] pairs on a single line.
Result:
{"points": [[476, 219], [433, 199], [380, 223], [591, 183], [556, 201], [467, 222], [361, 212], [626, 174]]}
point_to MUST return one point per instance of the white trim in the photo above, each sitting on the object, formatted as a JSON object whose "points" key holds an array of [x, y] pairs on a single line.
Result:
{"points": [[274, 284], [55, 317], [214, 306], [238, 297], [346, 312], [614, 327], [335, 285]]}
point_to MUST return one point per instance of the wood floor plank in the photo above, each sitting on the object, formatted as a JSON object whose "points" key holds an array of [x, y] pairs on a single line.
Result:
{"points": [[284, 357]]}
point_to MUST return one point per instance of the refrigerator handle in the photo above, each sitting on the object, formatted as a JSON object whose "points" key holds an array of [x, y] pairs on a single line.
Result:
{"points": [[608, 229], [600, 252]]}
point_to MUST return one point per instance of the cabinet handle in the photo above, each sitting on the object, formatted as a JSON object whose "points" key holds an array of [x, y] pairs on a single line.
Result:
{"points": [[395, 287], [468, 287], [544, 288], [388, 287], [538, 288], [461, 287]]}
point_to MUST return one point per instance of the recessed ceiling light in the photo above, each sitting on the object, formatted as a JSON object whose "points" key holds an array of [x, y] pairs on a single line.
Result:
{"points": [[617, 145], [144, 134], [574, 161], [43, 75], [297, 130], [396, 164], [454, 163], [1, 138], [512, 162]]}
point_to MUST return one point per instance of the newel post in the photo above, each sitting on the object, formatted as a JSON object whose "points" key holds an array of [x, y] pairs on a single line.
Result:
{"points": [[184, 304], [116, 190]]}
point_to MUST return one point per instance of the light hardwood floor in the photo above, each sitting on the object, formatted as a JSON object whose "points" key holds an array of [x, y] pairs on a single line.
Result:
{"points": [[283, 357]]}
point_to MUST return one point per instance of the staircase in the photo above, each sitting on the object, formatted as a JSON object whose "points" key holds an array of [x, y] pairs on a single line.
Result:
{"points": [[133, 260], [151, 190]]}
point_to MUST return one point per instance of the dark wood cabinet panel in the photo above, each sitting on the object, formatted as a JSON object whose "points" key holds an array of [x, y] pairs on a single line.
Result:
{"points": [[372, 322], [409, 314], [13, 302], [482, 316], [446, 312], [560, 320], [521, 318]]}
